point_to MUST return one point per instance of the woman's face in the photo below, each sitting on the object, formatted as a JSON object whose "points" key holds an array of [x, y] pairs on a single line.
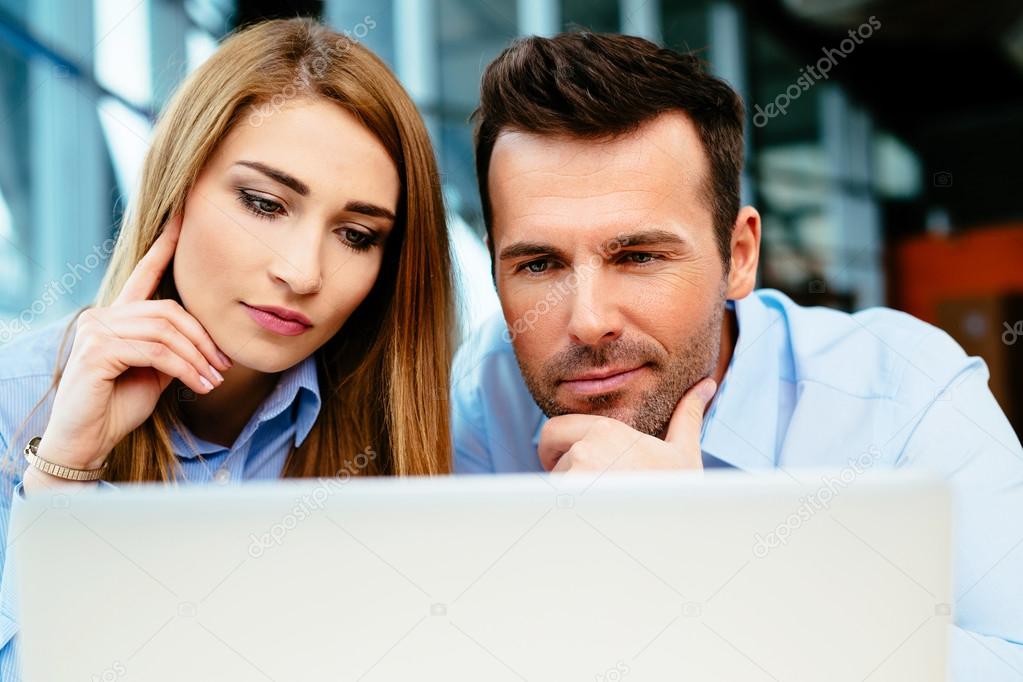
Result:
{"points": [[287, 220]]}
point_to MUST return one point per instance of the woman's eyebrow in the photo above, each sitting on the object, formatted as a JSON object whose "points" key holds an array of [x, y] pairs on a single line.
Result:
{"points": [[363, 207], [370, 210], [278, 176]]}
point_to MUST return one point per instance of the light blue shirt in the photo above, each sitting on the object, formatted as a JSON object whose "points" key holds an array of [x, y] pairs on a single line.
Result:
{"points": [[817, 388], [282, 421]]}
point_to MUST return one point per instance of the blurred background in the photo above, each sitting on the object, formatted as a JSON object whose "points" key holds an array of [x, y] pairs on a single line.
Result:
{"points": [[893, 178]]}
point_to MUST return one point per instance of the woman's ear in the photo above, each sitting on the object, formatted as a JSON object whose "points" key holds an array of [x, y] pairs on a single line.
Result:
{"points": [[745, 254]]}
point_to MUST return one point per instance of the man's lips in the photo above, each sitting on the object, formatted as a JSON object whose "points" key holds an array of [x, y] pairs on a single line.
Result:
{"points": [[601, 380]]}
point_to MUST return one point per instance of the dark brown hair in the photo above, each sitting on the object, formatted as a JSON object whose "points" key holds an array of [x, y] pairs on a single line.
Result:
{"points": [[601, 85]]}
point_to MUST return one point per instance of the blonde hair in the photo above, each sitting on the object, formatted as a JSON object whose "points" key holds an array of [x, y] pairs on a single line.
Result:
{"points": [[384, 376]]}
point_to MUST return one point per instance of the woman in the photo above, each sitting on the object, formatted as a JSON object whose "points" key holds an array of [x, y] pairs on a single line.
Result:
{"points": [[279, 300]]}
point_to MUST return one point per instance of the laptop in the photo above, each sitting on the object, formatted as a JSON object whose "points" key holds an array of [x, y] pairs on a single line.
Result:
{"points": [[654, 576]]}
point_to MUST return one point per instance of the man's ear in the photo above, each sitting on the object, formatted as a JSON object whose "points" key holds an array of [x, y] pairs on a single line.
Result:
{"points": [[745, 256]]}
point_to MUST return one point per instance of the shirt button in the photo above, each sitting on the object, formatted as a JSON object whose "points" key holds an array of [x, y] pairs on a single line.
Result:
{"points": [[222, 476]]}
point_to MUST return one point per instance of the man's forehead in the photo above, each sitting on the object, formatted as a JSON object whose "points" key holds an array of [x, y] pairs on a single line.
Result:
{"points": [[587, 231], [668, 147], [590, 189]]}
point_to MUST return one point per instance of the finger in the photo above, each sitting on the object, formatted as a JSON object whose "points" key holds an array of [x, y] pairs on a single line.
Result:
{"points": [[139, 353], [564, 464], [147, 273], [559, 434], [687, 419], [161, 330], [171, 311]]}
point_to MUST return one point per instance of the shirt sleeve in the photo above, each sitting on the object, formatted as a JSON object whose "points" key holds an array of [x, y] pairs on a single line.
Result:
{"points": [[10, 669], [965, 437], [468, 430]]}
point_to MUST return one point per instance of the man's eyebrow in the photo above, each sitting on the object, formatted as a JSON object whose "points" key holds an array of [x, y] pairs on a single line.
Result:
{"points": [[278, 176], [370, 210], [646, 238], [643, 238], [524, 249]]}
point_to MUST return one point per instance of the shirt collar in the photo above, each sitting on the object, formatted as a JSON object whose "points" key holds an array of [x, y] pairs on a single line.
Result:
{"points": [[297, 388], [741, 425], [740, 428]]}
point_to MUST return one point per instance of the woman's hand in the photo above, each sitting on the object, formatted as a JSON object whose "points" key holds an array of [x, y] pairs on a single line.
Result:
{"points": [[122, 359]]}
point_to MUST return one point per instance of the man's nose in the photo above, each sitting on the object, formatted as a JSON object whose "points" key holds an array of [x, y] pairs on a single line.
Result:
{"points": [[595, 316]]}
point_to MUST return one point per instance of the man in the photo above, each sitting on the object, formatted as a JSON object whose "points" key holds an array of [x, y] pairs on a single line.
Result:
{"points": [[632, 337]]}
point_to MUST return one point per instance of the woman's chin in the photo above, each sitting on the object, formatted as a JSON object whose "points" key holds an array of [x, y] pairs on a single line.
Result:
{"points": [[258, 354], [268, 363]]}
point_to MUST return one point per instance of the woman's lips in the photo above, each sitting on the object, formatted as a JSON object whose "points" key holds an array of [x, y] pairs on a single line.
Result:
{"points": [[596, 383], [275, 323]]}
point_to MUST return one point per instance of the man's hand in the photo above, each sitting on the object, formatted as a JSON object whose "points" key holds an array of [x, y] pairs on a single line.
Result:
{"points": [[584, 442]]}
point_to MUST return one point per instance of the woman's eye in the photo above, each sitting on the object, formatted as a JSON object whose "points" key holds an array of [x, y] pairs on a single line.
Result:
{"points": [[357, 239], [260, 206]]}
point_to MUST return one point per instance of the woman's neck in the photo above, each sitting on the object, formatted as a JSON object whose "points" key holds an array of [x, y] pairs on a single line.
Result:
{"points": [[220, 415]]}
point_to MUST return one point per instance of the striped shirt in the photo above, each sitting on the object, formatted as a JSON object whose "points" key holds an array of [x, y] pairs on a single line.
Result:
{"points": [[27, 363]]}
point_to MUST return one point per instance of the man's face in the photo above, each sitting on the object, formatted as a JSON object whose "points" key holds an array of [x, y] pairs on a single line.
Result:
{"points": [[609, 276]]}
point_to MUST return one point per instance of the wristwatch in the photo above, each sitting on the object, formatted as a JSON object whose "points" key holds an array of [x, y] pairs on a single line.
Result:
{"points": [[59, 470]]}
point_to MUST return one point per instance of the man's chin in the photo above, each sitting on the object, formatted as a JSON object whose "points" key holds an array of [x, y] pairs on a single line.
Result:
{"points": [[615, 405], [635, 411]]}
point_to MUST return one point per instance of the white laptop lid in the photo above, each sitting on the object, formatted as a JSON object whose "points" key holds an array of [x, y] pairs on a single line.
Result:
{"points": [[639, 577]]}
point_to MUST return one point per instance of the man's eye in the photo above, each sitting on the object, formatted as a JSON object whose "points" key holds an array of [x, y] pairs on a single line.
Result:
{"points": [[639, 257], [536, 267]]}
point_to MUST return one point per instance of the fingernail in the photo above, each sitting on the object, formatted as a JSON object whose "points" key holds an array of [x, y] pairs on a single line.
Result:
{"points": [[217, 375], [206, 383], [707, 390], [224, 359]]}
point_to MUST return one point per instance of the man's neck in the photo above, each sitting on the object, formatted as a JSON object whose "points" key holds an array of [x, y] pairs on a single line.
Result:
{"points": [[729, 337]]}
